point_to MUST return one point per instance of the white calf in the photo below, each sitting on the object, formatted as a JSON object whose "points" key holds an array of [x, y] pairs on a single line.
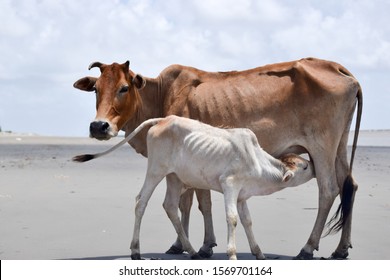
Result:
{"points": [[229, 161]]}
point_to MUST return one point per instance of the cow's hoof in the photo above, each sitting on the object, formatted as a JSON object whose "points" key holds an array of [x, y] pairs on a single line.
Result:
{"points": [[205, 254], [136, 256], [174, 250], [339, 256], [260, 257], [196, 257], [304, 256]]}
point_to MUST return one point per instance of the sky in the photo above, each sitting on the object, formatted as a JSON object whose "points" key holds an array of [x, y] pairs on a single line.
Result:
{"points": [[45, 46]]}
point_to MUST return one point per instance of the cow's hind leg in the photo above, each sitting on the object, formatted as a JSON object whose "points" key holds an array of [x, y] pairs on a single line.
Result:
{"points": [[348, 188], [246, 221], [204, 199], [345, 221], [171, 206], [328, 190], [185, 205]]}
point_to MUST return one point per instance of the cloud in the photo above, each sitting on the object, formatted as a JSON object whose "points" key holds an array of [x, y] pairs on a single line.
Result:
{"points": [[47, 45], [353, 35]]}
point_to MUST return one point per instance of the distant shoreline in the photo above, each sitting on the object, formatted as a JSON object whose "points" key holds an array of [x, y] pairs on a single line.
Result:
{"points": [[375, 138]]}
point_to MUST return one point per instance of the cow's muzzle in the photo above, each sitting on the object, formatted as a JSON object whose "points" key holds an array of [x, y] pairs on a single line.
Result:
{"points": [[100, 130]]}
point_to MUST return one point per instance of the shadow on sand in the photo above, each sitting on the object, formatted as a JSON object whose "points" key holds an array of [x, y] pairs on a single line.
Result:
{"points": [[162, 256]]}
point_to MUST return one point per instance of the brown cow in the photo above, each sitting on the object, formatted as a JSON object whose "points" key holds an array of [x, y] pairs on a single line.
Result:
{"points": [[293, 107]]}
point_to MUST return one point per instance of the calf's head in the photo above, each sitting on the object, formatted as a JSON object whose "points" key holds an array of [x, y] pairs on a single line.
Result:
{"points": [[117, 97], [297, 169]]}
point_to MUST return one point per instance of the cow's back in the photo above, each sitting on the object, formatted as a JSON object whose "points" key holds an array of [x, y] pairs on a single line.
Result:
{"points": [[282, 103]]}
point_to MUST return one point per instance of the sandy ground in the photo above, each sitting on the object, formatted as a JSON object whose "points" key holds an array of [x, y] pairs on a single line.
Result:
{"points": [[52, 208]]}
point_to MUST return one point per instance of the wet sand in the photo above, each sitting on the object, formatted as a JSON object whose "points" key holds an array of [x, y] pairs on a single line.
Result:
{"points": [[53, 208]]}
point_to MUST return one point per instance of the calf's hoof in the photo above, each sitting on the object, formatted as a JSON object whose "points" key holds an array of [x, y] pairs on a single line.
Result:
{"points": [[135, 256], [303, 256], [174, 250]]}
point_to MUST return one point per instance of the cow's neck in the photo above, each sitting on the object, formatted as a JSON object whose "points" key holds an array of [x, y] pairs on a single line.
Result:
{"points": [[152, 100], [152, 104]]}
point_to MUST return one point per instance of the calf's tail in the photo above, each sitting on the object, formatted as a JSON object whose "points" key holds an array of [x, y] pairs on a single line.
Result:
{"points": [[87, 157]]}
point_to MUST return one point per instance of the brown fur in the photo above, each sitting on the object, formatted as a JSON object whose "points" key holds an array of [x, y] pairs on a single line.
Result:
{"points": [[292, 107]]}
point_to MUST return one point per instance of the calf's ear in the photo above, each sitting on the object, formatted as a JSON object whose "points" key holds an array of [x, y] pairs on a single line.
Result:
{"points": [[86, 84], [288, 175]]}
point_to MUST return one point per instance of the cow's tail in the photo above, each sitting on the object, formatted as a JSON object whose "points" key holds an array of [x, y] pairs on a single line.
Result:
{"points": [[349, 187], [87, 157]]}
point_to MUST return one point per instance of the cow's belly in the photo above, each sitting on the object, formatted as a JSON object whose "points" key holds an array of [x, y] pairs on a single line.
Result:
{"points": [[277, 130]]}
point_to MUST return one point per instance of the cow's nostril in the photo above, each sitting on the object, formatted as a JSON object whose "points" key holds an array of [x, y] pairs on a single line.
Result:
{"points": [[99, 129], [105, 126]]}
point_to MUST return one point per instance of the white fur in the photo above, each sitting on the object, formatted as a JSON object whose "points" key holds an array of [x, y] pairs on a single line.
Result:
{"points": [[229, 161]]}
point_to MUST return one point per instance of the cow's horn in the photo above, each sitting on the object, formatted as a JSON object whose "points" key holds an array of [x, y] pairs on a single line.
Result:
{"points": [[95, 64]]}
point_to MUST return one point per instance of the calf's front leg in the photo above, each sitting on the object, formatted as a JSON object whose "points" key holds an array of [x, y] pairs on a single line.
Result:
{"points": [[150, 184], [230, 196]]}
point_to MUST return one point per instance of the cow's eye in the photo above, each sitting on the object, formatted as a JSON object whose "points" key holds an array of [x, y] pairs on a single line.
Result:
{"points": [[124, 89]]}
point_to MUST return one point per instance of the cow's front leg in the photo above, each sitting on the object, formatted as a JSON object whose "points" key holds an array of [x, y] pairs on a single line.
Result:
{"points": [[185, 205], [204, 199], [171, 205]]}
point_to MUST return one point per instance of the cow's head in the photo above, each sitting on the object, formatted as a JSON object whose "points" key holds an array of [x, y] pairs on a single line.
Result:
{"points": [[117, 97]]}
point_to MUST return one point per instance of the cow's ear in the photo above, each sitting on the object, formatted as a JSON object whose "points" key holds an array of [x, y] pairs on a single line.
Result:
{"points": [[86, 84], [139, 81], [288, 175]]}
